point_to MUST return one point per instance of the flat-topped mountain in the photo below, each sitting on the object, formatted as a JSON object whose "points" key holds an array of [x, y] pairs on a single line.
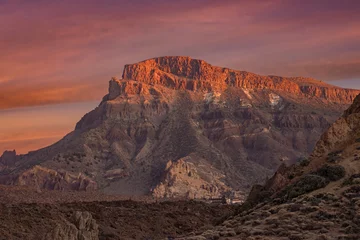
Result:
{"points": [[180, 127], [197, 75]]}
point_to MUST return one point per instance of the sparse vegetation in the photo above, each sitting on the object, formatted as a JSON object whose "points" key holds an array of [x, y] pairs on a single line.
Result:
{"points": [[304, 162], [334, 157], [331, 172], [353, 179], [313, 181], [305, 184], [352, 192], [79, 155]]}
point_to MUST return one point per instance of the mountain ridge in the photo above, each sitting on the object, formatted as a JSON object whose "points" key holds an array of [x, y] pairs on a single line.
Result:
{"points": [[155, 71]]}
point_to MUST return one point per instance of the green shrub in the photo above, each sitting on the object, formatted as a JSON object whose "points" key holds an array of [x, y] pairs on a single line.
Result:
{"points": [[350, 180], [291, 176], [334, 157], [347, 182], [335, 153], [305, 184], [304, 162], [331, 172]]}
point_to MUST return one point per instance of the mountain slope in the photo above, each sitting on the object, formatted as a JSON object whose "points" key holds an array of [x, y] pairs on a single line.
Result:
{"points": [[318, 198], [176, 126]]}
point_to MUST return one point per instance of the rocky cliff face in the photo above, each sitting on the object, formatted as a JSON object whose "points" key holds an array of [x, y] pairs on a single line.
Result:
{"points": [[344, 131], [176, 126], [190, 178], [198, 75]]}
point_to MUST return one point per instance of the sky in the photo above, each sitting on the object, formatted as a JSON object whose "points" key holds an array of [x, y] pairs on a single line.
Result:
{"points": [[58, 56]]}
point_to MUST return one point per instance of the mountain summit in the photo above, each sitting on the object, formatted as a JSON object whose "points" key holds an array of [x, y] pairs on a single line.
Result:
{"points": [[180, 127], [197, 75]]}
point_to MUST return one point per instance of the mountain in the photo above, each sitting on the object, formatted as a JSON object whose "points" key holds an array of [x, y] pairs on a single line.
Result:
{"points": [[317, 198], [180, 127]]}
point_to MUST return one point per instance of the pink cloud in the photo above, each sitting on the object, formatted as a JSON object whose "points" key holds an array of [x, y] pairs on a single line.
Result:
{"points": [[64, 45]]}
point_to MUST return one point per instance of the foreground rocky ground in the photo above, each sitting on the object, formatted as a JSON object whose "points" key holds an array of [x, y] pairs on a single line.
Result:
{"points": [[106, 219]]}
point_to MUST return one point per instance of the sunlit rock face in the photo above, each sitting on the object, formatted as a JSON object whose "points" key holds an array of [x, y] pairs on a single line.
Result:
{"points": [[176, 126], [192, 74]]}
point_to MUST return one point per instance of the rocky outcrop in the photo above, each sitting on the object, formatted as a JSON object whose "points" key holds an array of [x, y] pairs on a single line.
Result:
{"points": [[343, 132], [8, 158], [354, 108], [184, 179], [81, 227]]}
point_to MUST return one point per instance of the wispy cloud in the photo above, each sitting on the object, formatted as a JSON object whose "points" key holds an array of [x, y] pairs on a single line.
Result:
{"points": [[30, 128], [55, 50], [23, 96]]}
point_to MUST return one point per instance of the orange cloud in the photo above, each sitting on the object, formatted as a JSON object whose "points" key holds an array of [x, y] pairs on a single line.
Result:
{"points": [[65, 51], [23, 146], [30, 128], [13, 97]]}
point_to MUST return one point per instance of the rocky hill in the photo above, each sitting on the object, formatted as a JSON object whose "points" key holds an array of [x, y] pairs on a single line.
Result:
{"points": [[317, 198], [180, 127]]}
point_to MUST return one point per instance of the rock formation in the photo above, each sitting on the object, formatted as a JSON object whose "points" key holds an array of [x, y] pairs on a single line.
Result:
{"points": [[39, 178], [185, 179], [174, 126], [8, 158], [81, 227]]}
